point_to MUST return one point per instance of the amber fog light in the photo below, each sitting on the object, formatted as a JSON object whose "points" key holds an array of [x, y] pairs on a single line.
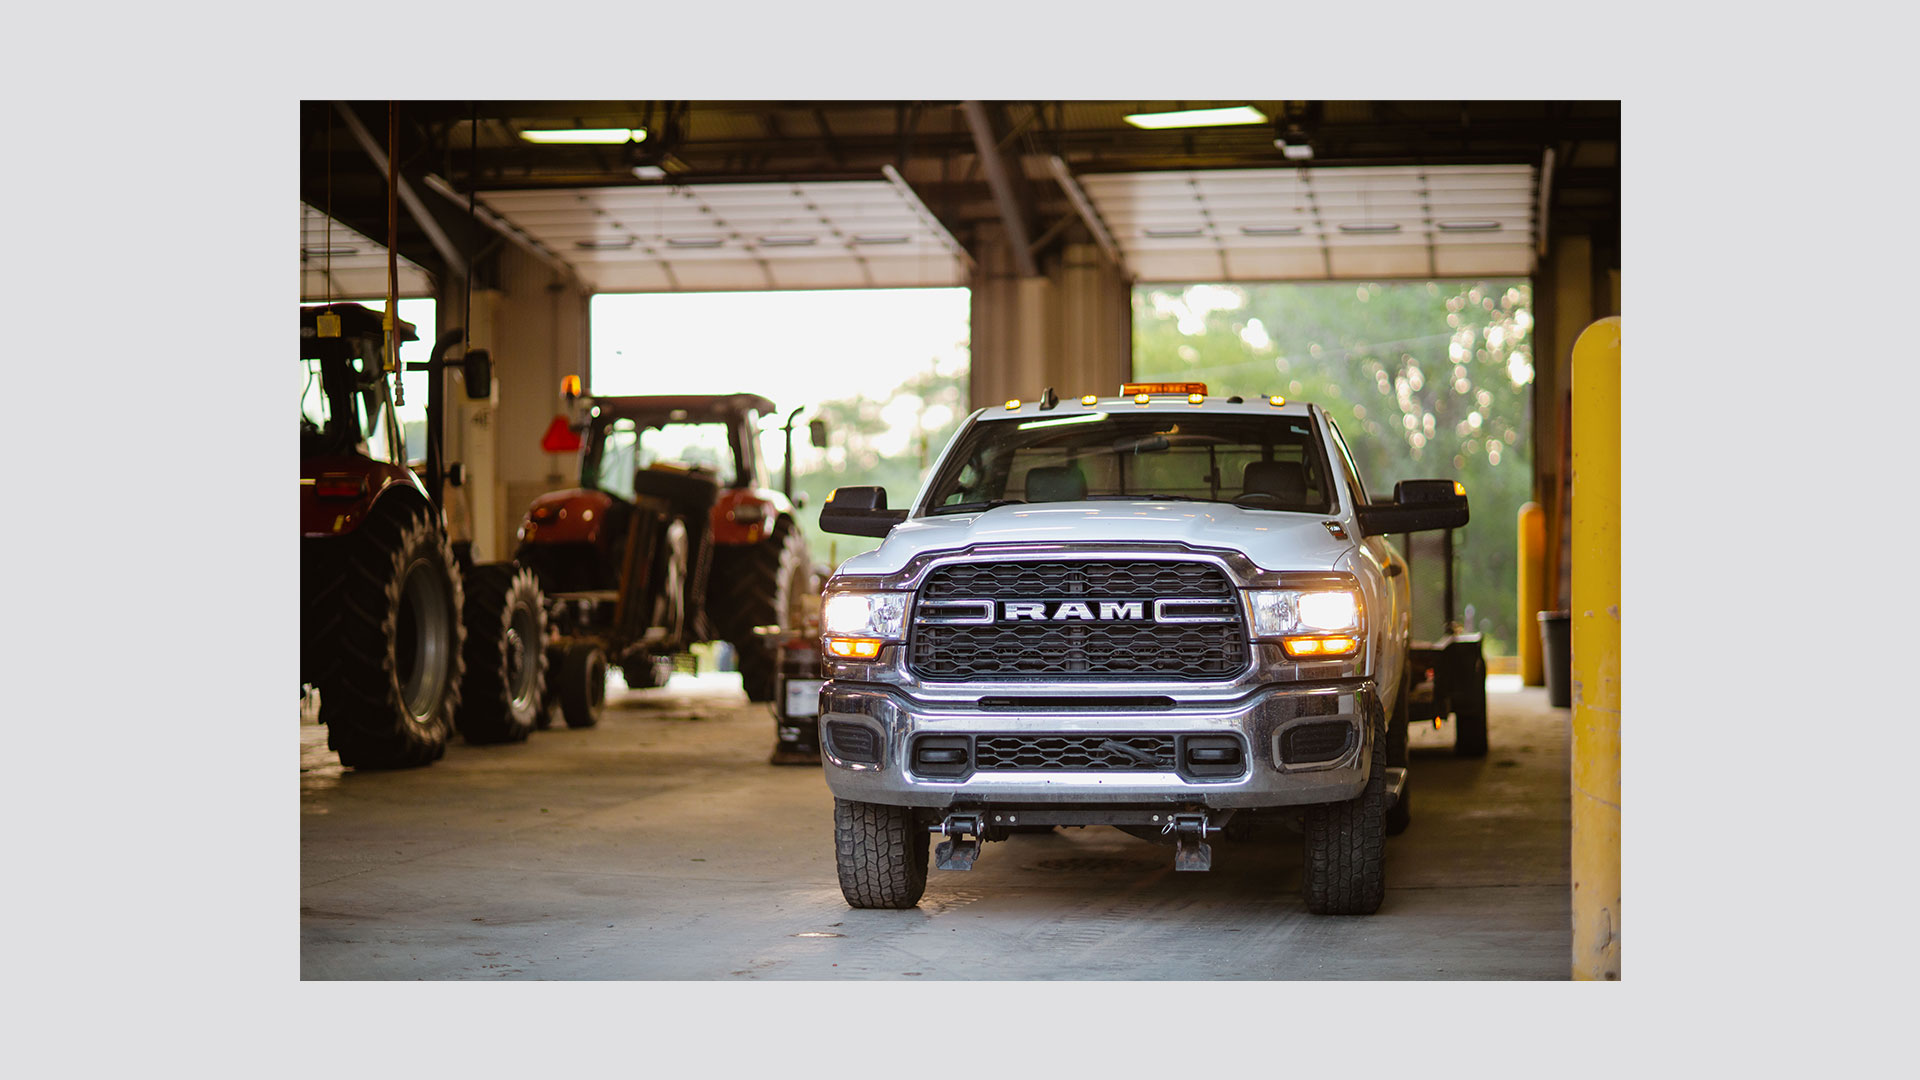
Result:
{"points": [[854, 648], [1317, 647]]}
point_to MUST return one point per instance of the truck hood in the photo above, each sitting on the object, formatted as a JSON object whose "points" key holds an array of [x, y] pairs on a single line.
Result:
{"points": [[1274, 540]]}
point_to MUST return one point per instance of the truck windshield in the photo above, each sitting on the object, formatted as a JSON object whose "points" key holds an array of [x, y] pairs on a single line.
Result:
{"points": [[1259, 462]]}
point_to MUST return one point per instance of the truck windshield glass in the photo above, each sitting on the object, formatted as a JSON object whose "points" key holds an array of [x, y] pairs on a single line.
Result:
{"points": [[1259, 462], [631, 445]]}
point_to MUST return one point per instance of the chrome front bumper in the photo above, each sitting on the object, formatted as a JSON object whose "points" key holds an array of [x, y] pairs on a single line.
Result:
{"points": [[1259, 717]]}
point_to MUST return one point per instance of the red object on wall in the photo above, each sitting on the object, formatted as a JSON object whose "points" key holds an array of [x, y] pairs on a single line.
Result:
{"points": [[560, 437]]}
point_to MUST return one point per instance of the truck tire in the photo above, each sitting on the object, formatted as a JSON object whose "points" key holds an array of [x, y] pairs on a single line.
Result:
{"points": [[583, 685], [757, 585], [505, 684], [1470, 715], [1346, 847], [880, 853], [384, 615]]}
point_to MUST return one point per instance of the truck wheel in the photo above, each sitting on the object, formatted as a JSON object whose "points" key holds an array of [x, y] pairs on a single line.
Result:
{"points": [[505, 684], [881, 854], [1346, 848], [1470, 714], [763, 584], [583, 685], [386, 620]]}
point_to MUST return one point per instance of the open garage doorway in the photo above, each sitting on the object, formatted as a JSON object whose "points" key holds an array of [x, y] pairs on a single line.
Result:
{"points": [[886, 369], [1424, 378]]}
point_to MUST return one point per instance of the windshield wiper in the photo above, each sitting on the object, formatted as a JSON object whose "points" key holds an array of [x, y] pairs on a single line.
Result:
{"points": [[970, 507], [1153, 498]]}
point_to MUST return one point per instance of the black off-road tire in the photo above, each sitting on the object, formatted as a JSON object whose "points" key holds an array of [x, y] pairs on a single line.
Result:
{"points": [[645, 671], [758, 585], [550, 695], [383, 638], [505, 684], [1346, 847], [583, 685], [881, 853]]}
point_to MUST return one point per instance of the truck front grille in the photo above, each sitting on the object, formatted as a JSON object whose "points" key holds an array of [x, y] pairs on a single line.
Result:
{"points": [[1151, 753], [1143, 648]]}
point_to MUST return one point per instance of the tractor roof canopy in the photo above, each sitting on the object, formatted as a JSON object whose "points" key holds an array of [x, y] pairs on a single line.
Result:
{"points": [[698, 407], [359, 325]]}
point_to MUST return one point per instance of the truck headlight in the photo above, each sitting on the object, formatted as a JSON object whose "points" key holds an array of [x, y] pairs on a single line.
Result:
{"points": [[857, 624], [1320, 622]]}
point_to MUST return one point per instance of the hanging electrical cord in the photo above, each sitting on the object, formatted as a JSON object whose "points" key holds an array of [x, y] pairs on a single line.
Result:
{"points": [[473, 189], [392, 320]]}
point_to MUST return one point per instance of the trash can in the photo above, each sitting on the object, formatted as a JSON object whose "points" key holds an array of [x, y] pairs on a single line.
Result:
{"points": [[1556, 655]]}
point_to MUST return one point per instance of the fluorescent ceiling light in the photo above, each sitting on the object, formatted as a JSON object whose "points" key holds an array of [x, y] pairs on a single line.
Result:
{"points": [[596, 136], [1186, 118], [605, 245], [693, 241], [1469, 226], [649, 172], [1295, 151], [788, 241], [1164, 234], [1369, 227], [875, 238], [1270, 230]]}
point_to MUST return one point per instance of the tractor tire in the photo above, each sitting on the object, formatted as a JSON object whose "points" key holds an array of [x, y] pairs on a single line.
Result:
{"points": [[1346, 849], [550, 694], [757, 585], [880, 853], [583, 685], [505, 684], [384, 638]]}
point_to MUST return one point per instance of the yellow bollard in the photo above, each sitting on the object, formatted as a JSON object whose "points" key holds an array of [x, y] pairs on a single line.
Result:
{"points": [[1596, 651], [1532, 573]]}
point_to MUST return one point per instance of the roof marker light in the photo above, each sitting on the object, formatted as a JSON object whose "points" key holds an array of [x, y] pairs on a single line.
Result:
{"points": [[1142, 399], [1013, 403], [1196, 399], [1276, 400], [1089, 399]]}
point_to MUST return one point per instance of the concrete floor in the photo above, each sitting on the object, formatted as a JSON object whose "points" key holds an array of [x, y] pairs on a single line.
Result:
{"points": [[660, 845]]}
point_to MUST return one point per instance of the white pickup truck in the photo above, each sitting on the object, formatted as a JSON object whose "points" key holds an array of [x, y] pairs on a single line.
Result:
{"points": [[1155, 611]]}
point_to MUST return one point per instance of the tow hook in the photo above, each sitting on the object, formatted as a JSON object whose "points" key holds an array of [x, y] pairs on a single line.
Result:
{"points": [[1191, 850], [955, 853]]}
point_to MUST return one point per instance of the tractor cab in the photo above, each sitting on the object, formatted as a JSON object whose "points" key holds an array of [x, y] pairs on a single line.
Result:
{"points": [[345, 409]]}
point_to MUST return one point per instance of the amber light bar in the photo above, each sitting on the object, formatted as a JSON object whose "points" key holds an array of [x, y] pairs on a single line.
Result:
{"points": [[1298, 647], [1129, 389], [854, 648]]}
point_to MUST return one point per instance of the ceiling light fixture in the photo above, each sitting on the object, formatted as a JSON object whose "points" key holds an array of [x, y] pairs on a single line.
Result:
{"points": [[693, 241], [1270, 230], [788, 241], [1469, 226], [1186, 118], [1169, 234], [649, 172], [605, 245], [1369, 227], [874, 238], [585, 136], [1293, 144]]}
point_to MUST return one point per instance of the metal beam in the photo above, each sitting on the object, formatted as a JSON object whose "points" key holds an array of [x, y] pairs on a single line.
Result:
{"points": [[1087, 213], [1002, 185], [509, 230], [415, 207]]}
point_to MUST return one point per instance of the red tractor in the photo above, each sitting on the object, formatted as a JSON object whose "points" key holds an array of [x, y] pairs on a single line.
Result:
{"points": [[673, 537], [403, 647]]}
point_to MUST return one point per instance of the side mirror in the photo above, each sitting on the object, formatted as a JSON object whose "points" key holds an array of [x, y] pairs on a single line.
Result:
{"points": [[817, 433], [477, 369], [859, 511], [1417, 506]]}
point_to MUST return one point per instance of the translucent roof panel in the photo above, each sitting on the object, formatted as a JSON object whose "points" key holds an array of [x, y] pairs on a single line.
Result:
{"points": [[1321, 223], [701, 237], [355, 265]]}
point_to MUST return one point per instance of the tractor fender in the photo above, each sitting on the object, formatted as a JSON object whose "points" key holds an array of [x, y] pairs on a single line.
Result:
{"points": [[573, 516], [337, 492], [748, 515]]}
